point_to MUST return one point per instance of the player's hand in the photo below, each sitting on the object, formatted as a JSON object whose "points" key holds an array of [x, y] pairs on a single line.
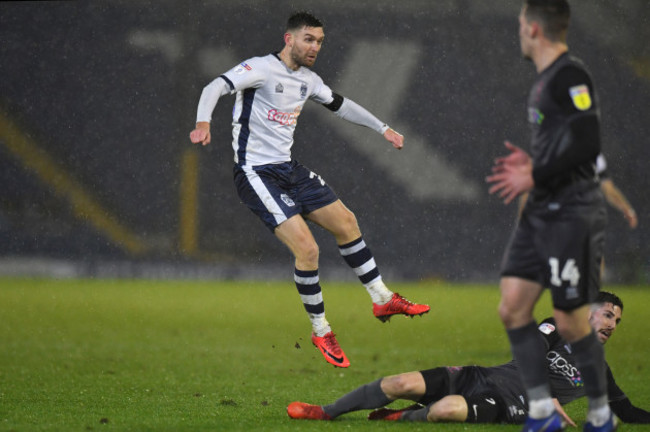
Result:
{"points": [[512, 174], [564, 415], [201, 134], [516, 157], [630, 216], [395, 138]]}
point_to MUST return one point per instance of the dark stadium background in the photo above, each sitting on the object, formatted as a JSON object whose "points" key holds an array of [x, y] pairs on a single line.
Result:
{"points": [[98, 178]]}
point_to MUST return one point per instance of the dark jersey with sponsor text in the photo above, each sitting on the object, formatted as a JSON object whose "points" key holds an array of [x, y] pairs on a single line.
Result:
{"points": [[504, 381]]}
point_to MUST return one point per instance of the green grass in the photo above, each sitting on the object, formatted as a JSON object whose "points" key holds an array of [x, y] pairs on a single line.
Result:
{"points": [[122, 355]]}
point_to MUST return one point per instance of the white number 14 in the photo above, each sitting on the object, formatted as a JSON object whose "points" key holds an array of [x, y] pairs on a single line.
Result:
{"points": [[569, 273]]}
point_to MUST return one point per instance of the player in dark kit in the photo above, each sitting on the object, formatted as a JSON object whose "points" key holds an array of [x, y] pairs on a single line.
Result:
{"points": [[558, 242], [477, 394]]}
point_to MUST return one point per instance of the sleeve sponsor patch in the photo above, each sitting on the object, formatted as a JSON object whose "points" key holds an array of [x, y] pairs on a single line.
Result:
{"points": [[242, 68], [580, 97], [546, 328]]}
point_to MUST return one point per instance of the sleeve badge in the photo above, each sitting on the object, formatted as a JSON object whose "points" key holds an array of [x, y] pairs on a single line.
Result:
{"points": [[580, 97], [546, 328]]}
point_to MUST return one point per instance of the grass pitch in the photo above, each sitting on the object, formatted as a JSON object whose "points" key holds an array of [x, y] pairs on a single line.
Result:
{"points": [[122, 355]]}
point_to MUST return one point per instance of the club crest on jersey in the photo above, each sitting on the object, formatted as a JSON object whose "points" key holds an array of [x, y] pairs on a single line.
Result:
{"points": [[243, 67], [580, 97], [303, 90], [288, 201], [279, 88]]}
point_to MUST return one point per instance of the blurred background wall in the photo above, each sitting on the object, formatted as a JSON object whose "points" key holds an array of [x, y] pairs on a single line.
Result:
{"points": [[98, 177]]}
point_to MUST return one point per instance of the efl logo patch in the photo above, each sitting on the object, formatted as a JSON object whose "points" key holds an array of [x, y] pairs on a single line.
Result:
{"points": [[580, 96], [546, 328], [242, 68]]}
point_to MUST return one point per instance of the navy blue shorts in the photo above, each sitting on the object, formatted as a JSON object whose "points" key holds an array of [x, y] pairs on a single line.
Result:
{"points": [[276, 192]]}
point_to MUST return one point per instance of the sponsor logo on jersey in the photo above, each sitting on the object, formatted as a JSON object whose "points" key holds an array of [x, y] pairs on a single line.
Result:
{"points": [[243, 67], [515, 411], [560, 366], [279, 88], [546, 328], [535, 116], [288, 201], [303, 90], [284, 118], [580, 97]]}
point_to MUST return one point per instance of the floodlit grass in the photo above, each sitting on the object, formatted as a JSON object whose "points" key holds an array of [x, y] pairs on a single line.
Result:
{"points": [[121, 355]]}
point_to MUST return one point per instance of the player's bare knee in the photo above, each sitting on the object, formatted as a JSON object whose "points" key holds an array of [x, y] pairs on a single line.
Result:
{"points": [[308, 253], [349, 223], [397, 386], [446, 409], [505, 313]]}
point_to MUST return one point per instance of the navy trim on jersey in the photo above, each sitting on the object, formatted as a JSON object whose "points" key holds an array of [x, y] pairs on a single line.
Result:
{"points": [[225, 78], [244, 118]]}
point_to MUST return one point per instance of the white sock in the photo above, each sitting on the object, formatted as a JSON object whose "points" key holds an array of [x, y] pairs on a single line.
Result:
{"points": [[319, 325], [378, 291], [541, 408], [599, 416]]}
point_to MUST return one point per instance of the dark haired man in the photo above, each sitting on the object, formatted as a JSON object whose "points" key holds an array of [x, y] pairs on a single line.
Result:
{"points": [[559, 238], [271, 92], [476, 394]]}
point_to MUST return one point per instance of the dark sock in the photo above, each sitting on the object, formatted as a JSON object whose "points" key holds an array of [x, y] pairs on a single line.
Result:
{"points": [[529, 351], [590, 359], [368, 396], [416, 414]]}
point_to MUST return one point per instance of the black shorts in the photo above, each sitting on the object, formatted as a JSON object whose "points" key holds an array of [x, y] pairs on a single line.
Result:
{"points": [[474, 382], [276, 192], [559, 244]]}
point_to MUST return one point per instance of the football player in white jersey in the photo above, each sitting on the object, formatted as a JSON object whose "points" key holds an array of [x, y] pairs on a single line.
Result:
{"points": [[270, 94]]}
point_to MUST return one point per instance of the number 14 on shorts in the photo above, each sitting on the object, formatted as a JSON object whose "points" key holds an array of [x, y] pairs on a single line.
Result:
{"points": [[569, 273]]}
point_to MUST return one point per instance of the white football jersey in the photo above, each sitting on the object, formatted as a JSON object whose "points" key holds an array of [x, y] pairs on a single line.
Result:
{"points": [[270, 98]]}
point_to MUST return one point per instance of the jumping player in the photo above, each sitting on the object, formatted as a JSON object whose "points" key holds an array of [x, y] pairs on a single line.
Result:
{"points": [[476, 394], [271, 92], [559, 239]]}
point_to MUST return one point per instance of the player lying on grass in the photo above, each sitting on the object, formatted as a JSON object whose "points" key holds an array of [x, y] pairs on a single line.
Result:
{"points": [[476, 394]]}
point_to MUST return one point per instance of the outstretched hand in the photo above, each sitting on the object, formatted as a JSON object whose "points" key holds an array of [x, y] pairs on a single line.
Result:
{"points": [[564, 415], [394, 138], [201, 134], [512, 174]]}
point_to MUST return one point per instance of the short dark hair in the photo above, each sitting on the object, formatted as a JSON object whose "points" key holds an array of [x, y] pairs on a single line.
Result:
{"points": [[553, 15], [302, 19], [608, 297]]}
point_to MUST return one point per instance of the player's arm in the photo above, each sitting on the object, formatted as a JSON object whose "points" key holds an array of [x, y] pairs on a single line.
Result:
{"points": [[563, 413], [355, 113], [621, 404], [573, 90], [249, 74], [208, 101], [616, 198]]}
